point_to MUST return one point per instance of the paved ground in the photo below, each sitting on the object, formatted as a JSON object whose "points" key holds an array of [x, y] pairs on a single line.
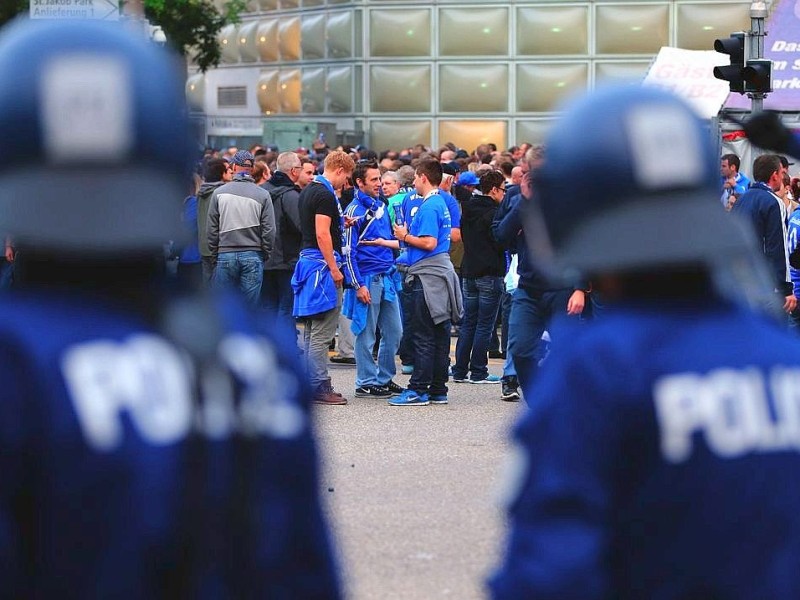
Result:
{"points": [[413, 507]]}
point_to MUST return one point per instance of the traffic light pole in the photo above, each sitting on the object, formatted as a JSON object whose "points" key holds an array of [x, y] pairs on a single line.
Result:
{"points": [[758, 17]]}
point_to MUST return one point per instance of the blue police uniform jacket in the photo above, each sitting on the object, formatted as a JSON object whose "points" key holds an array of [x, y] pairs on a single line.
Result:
{"points": [[313, 286], [122, 474], [659, 460]]}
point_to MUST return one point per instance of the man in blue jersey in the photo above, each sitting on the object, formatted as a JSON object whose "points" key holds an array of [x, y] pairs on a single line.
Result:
{"points": [[734, 184], [436, 297], [154, 443], [372, 301], [659, 456]]}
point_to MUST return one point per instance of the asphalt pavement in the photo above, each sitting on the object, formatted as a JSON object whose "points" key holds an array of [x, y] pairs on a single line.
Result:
{"points": [[412, 492]]}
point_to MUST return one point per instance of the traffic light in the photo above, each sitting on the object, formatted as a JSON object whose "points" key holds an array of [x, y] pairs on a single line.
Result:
{"points": [[735, 47], [757, 75]]}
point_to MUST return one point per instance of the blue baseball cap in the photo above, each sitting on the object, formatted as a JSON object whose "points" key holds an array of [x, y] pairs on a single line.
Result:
{"points": [[468, 178]]}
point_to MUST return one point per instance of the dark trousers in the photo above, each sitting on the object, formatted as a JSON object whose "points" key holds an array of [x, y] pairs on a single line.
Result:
{"points": [[431, 345], [531, 313], [505, 311], [481, 301], [277, 294]]}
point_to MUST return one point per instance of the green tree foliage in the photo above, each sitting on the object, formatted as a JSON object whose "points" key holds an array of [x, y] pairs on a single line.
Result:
{"points": [[191, 26], [10, 8]]}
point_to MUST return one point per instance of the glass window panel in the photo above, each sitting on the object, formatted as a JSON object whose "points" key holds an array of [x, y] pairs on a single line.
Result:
{"points": [[632, 29], [268, 40], [553, 30], [289, 39], [312, 36], [540, 87], [313, 92], [471, 134], [533, 132], [313, 2], [248, 48], [339, 32], [473, 31], [268, 4], [288, 3], [468, 88], [196, 91], [700, 24], [289, 88], [338, 1], [267, 92], [612, 72], [397, 135], [400, 88], [227, 42], [340, 89], [405, 32]]}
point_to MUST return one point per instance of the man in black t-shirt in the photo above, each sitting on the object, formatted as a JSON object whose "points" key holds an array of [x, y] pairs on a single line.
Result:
{"points": [[317, 280]]}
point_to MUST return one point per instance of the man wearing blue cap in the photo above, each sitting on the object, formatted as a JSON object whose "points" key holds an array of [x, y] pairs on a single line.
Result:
{"points": [[241, 230]]}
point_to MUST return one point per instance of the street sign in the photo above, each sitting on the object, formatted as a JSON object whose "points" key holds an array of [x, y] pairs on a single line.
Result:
{"points": [[102, 10]]}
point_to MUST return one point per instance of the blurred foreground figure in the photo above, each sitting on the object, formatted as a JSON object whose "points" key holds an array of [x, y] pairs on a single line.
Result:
{"points": [[659, 457], [152, 443]]}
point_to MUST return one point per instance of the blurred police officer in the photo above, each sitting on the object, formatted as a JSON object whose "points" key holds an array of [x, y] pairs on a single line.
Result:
{"points": [[659, 457], [145, 450]]}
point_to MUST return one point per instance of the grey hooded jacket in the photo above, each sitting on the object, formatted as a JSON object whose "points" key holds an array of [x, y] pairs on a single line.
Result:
{"points": [[241, 218]]}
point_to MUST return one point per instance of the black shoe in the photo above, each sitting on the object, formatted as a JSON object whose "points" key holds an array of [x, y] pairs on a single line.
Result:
{"points": [[510, 391], [343, 360], [373, 391], [497, 354], [393, 387], [332, 345]]}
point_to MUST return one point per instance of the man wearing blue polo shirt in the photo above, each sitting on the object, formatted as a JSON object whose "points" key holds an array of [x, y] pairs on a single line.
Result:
{"points": [[436, 297]]}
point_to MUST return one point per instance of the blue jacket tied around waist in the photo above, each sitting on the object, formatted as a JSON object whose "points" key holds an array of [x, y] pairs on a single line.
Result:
{"points": [[313, 286]]}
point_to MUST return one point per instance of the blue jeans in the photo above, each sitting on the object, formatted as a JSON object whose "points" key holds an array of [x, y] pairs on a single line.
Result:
{"points": [[385, 315], [481, 303], [531, 313], [431, 344], [277, 294], [243, 271]]}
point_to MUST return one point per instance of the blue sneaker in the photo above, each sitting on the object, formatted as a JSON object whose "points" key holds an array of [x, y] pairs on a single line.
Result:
{"points": [[487, 379], [408, 369], [438, 398], [410, 398]]}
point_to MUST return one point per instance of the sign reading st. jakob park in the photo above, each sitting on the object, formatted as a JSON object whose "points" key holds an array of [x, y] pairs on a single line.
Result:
{"points": [[103, 10]]}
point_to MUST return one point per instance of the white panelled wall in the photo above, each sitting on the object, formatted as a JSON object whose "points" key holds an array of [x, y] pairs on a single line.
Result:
{"points": [[466, 71]]}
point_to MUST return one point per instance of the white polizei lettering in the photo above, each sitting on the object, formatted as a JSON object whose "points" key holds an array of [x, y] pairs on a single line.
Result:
{"points": [[163, 409], [89, 375], [264, 406], [679, 414], [785, 386], [143, 376], [729, 399], [735, 410]]}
